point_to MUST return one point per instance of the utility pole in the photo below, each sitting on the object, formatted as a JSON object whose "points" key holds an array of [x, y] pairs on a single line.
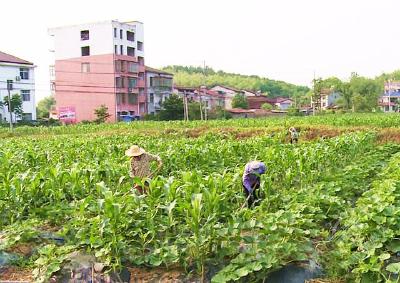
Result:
{"points": [[204, 88], [201, 108], [390, 110], [9, 88], [312, 102], [185, 107]]}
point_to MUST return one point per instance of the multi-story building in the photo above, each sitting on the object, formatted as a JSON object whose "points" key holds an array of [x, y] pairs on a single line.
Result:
{"points": [[158, 88], [21, 73], [389, 101], [99, 64], [329, 98]]}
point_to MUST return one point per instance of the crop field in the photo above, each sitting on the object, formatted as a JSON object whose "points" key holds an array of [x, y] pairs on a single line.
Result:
{"points": [[334, 198]]}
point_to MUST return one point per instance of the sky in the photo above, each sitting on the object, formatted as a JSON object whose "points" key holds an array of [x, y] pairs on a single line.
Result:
{"points": [[287, 40]]}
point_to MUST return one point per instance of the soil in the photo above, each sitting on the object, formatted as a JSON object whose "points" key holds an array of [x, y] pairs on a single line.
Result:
{"points": [[24, 249], [155, 275], [16, 274], [318, 280]]}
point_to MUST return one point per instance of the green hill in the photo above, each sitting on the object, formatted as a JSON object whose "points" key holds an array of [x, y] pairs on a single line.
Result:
{"points": [[194, 77]]}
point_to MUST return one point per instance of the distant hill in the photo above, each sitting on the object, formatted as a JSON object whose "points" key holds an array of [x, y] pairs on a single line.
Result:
{"points": [[194, 77]]}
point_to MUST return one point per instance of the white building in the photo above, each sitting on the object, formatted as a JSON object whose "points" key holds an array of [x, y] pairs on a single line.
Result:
{"points": [[21, 72], [230, 92], [329, 98], [389, 101], [159, 87], [98, 64]]}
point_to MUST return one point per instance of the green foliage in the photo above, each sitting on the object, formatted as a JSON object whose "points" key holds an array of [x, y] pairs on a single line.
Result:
{"points": [[192, 217], [16, 104], [194, 110], [102, 114], [293, 111], [240, 101], [172, 108], [267, 106], [219, 113], [194, 77], [44, 106]]}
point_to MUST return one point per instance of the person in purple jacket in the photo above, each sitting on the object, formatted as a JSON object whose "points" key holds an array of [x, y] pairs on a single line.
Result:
{"points": [[251, 181]]}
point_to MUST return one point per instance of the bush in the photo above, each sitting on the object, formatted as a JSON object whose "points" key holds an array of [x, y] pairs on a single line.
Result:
{"points": [[267, 106], [293, 111], [219, 113], [151, 117]]}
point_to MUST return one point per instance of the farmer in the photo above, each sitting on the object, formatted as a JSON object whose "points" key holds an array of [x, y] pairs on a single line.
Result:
{"points": [[294, 135], [141, 165], [251, 181]]}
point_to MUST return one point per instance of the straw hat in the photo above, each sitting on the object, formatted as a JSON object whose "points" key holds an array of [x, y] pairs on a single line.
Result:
{"points": [[134, 150]]}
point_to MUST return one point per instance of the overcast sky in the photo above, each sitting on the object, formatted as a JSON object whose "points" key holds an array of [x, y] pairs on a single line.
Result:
{"points": [[278, 39]]}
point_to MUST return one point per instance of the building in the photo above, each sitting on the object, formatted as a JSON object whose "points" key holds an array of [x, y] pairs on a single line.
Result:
{"points": [[22, 74], [210, 99], [256, 102], [159, 86], [389, 101], [329, 99], [99, 64], [283, 103]]}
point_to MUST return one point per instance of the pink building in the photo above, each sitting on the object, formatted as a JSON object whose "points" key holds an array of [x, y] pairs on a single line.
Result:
{"points": [[99, 64]]}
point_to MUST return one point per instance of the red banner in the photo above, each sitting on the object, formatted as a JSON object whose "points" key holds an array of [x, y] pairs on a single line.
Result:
{"points": [[67, 114]]}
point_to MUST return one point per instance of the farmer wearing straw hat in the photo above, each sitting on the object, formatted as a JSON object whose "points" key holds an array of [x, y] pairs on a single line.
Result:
{"points": [[141, 162], [251, 181], [294, 135]]}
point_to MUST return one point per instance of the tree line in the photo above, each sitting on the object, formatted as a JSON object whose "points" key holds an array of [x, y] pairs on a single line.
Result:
{"points": [[196, 76]]}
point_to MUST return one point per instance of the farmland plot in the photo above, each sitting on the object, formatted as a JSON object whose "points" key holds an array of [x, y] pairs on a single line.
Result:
{"points": [[334, 200]]}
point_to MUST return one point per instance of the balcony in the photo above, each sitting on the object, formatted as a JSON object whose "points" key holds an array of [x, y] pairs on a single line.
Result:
{"points": [[141, 83], [142, 98]]}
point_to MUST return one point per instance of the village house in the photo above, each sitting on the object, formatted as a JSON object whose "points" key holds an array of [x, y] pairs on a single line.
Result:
{"points": [[158, 88], [329, 99], [389, 101], [21, 76]]}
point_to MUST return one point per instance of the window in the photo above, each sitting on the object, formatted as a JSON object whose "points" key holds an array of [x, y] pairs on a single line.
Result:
{"points": [[26, 95], [24, 73], [141, 107], [115, 49], [52, 86], [132, 67], [119, 82], [132, 82], [131, 51], [151, 97], [141, 76], [118, 66], [121, 49], [140, 45], [123, 66], [132, 98], [120, 33], [130, 36], [141, 61], [52, 71], [84, 35], [85, 67], [115, 32], [27, 116], [121, 98], [85, 50]]}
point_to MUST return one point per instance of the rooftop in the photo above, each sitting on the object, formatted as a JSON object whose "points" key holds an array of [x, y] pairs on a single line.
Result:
{"points": [[7, 58], [153, 70]]}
